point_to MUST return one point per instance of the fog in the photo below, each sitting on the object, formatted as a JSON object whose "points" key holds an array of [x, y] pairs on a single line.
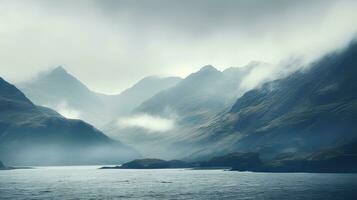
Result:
{"points": [[64, 109], [60, 154], [148, 122], [109, 45]]}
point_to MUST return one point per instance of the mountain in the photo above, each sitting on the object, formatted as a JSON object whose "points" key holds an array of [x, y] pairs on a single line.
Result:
{"points": [[64, 93], [198, 95], [187, 105], [310, 110], [35, 135], [125, 102]]}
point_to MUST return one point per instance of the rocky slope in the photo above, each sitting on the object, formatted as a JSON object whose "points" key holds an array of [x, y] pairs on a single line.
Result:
{"points": [[32, 135], [310, 110]]}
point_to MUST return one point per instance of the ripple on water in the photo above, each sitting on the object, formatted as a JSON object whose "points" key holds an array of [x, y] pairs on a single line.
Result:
{"points": [[90, 183]]}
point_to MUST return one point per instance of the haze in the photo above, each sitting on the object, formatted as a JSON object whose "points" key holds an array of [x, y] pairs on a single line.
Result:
{"points": [[109, 45]]}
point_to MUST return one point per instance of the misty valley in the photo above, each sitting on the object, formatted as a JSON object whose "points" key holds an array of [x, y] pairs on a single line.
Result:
{"points": [[303, 122], [200, 99]]}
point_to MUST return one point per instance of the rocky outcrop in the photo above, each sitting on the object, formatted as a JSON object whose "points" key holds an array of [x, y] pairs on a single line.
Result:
{"points": [[152, 163]]}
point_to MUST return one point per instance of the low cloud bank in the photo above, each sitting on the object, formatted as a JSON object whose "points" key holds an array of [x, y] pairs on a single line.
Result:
{"points": [[64, 109], [148, 122], [265, 72]]}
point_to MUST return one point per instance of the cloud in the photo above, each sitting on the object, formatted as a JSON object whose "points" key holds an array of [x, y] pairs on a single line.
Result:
{"points": [[132, 39], [66, 111], [258, 75], [267, 72], [148, 122]]}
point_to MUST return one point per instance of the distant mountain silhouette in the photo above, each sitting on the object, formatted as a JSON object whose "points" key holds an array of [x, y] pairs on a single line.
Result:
{"points": [[62, 91], [199, 95], [304, 114], [190, 104], [32, 135], [129, 99]]}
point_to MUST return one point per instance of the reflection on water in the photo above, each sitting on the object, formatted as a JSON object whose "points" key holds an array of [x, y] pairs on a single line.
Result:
{"points": [[88, 182]]}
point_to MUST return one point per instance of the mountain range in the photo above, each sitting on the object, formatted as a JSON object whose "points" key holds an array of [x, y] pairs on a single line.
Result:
{"points": [[300, 118], [312, 109], [125, 102], [164, 97], [64, 93], [188, 104], [200, 94]]}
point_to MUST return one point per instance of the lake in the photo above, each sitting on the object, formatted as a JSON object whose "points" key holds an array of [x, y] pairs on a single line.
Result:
{"points": [[89, 182]]}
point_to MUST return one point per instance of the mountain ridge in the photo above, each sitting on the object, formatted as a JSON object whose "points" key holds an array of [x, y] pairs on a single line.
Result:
{"points": [[188, 105], [63, 92], [290, 114], [32, 135]]}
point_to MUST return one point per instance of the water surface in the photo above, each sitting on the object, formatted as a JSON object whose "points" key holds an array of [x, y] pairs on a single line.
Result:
{"points": [[89, 182]]}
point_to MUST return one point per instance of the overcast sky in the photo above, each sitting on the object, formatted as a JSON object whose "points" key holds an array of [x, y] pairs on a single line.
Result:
{"points": [[109, 45]]}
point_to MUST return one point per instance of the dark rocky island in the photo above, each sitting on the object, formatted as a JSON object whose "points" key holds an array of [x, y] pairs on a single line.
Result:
{"points": [[341, 159], [152, 163], [241, 161]]}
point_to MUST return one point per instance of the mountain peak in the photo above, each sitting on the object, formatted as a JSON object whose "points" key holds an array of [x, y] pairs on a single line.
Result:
{"points": [[207, 71], [59, 70], [208, 68]]}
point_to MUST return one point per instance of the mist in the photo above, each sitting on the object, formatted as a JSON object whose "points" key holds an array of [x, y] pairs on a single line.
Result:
{"points": [[64, 109], [123, 41], [148, 122], [62, 154]]}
